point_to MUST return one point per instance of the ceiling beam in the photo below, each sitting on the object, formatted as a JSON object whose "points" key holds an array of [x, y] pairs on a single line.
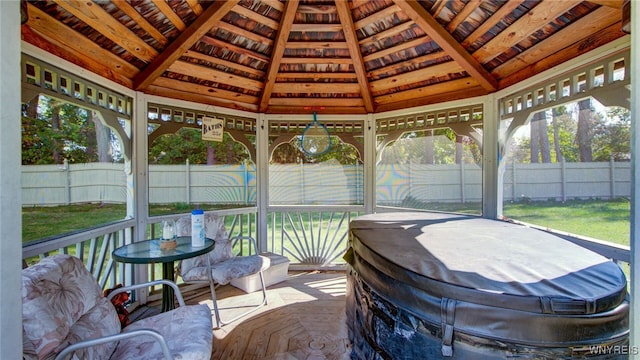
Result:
{"points": [[535, 19], [409, 44], [489, 23], [75, 47], [344, 14], [185, 40], [616, 4], [558, 42], [102, 22], [131, 12], [468, 9], [215, 75], [288, 15], [168, 12], [422, 17]]}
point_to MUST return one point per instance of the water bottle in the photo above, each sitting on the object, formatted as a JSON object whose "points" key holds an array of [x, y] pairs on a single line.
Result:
{"points": [[197, 228]]}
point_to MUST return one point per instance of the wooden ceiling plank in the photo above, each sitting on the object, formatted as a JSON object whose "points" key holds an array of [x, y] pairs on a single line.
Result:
{"points": [[174, 93], [606, 16], [616, 4], [378, 16], [276, 4], [354, 50], [437, 7], [339, 110], [443, 87], [195, 7], [526, 25], [386, 33], [77, 56], [433, 99], [440, 35], [310, 60], [249, 14], [317, 45], [226, 63], [581, 47], [406, 64], [96, 17], [316, 28], [316, 102], [64, 37], [206, 73], [168, 12], [317, 76], [415, 76], [202, 89], [468, 9], [235, 48], [316, 9], [244, 33], [488, 24], [317, 88], [397, 48], [210, 17], [131, 12], [288, 15]]}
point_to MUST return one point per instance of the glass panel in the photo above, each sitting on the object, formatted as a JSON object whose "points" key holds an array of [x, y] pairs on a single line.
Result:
{"points": [[333, 178], [186, 172], [72, 170], [432, 170], [568, 168]]}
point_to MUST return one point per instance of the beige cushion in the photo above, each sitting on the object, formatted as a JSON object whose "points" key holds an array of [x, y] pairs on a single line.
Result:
{"points": [[63, 304]]}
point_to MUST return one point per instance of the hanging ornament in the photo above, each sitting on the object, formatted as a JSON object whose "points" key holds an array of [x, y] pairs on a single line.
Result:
{"points": [[315, 139]]}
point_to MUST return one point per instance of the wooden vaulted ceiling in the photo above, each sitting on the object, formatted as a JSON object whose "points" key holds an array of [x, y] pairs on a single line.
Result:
{"points": [[299, 56]]}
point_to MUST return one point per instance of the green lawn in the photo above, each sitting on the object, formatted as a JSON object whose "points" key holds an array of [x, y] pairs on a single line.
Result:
{"points": [[605, 220], [43, 222]]}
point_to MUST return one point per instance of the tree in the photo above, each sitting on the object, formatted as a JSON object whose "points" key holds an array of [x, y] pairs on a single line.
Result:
{"points": [[55, 131], [612, 136], [556, 112], [583, 136], [539, 138], [103, 139], [187, 143]]}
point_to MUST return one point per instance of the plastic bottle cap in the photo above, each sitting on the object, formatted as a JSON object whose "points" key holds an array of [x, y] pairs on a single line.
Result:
{"points": [[197, 212]]}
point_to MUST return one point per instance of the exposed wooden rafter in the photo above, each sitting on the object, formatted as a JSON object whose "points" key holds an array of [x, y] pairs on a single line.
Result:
{"points": [[422, 17], [356, 56], [193, 33], [346, 57], [278, 50]]}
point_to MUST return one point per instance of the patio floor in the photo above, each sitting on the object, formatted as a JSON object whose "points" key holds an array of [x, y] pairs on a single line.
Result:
{"points": [[304, 319]]}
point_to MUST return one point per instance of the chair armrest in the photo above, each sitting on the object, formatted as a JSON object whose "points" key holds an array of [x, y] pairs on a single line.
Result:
{"points": [[251, 240], [175, 287], [124, 335]]}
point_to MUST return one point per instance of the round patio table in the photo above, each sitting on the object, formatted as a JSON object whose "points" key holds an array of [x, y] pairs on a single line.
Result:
{"points": [[149, 252]]}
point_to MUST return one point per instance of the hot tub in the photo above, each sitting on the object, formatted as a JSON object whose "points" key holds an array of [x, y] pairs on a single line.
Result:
{"points": [[434, 285]]}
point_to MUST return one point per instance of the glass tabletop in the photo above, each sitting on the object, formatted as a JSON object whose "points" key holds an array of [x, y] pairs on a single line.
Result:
{"points": [[149, 251]]}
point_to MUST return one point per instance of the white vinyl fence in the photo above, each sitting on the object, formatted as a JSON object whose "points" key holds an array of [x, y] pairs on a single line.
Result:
{"points": [[48, 185]]}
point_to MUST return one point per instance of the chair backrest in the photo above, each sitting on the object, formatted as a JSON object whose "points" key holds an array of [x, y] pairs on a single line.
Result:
{"points": [[214, 229], [63, 304]]}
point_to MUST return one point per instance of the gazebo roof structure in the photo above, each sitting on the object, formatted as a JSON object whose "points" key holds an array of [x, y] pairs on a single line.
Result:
{"points": [[294, 57]]}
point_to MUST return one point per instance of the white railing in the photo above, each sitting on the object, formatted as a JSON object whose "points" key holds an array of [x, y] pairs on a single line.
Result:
{"points": [[311, 237], [93, 247]]}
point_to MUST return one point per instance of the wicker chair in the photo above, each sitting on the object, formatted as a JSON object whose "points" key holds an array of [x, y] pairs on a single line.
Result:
{"points": [[64, 313], [221, 265]]}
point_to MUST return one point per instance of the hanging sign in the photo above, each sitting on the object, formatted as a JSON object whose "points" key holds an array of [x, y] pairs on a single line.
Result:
{"points": [[212, 129]]}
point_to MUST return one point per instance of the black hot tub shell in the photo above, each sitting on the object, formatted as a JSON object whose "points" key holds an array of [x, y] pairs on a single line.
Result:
{"points": [[434, 285]]}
